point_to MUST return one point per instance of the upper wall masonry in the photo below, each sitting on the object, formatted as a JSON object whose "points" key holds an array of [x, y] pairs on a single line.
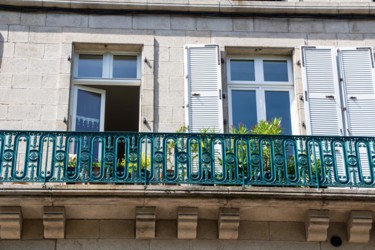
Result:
{"points": [[224, 7]]}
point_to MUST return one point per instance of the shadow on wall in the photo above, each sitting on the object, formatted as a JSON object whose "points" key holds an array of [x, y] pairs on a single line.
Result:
{"points": [[1, 48]]}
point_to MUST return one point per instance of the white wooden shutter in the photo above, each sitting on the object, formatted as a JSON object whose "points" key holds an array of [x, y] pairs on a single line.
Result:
{"points": [[357, 73], [322, 98], [204, 88]]}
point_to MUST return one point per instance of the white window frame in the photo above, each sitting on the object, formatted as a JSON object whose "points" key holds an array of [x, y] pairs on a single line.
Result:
{"points": [[260, 87], [258, 67], [107, 73], [102, 105]]}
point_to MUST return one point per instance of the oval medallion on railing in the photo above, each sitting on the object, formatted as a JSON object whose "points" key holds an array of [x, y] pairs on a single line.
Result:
{"points": [[60, 155], [8, 155], [352, 160], [158, 157], [302, 159], [133, 157], [206, 158], [328, 160], [182, 157], [230, 158]]}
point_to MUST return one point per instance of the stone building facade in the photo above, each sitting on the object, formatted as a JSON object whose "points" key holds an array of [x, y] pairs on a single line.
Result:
{"points": [[42, 46]]}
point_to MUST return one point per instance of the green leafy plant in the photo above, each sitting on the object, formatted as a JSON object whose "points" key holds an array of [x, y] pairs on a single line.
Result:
{"points": [[133, 166]]}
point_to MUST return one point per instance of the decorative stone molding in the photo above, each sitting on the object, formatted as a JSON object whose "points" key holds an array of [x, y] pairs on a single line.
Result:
{"points": [[187, 223], [316, 225], [10, 222], [359, 226], [145, 223], [229, 221], [54, 222]]}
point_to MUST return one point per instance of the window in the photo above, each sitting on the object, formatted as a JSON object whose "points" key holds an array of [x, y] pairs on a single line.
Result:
{"points": [[105, 87], [260, 89], [120, 68]]}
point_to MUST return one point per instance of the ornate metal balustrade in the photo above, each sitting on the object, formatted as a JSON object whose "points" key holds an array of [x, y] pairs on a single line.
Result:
{"points": [[202, 159]]}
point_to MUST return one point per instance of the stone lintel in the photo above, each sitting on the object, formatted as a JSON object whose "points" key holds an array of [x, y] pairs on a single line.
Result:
{"points": [[54, 222], [145, 223], [316, 225], [359, 226], [10, 222], [187, 223], [229, 221]]}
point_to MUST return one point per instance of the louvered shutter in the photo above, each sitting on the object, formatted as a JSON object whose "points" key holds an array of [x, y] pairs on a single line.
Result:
{"points": [[357, 73], [204, 88], [322, 98], [321, 92], [358, 78]]}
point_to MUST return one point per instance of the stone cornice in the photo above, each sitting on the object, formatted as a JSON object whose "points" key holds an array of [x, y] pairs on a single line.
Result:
{"points": [[214, 7], [273, 193]]}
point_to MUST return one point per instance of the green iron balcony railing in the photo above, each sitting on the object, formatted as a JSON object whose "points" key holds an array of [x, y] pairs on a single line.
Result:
{"points": [[181, 158]]}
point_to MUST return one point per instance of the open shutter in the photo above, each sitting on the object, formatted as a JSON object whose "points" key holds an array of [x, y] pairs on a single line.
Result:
{"points": [[357, 74], [322, 98], [204, 88]]}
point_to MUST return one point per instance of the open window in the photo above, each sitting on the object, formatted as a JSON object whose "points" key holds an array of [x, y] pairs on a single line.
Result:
{"points": [[109, 78]]}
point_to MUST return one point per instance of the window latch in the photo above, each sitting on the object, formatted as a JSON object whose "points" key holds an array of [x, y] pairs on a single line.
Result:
{"points": [[196, 94], [330, 97], [353, 98]]}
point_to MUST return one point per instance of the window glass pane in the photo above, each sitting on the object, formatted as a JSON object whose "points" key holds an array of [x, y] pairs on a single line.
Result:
{"points": [[244, 108], [124, 66], [241, 70], [90, 66], [88, 111], [278, 105], [275, 71]]}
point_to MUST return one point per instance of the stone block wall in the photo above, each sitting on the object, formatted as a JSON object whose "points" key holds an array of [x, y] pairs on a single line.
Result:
{"points": [[35, 48]]}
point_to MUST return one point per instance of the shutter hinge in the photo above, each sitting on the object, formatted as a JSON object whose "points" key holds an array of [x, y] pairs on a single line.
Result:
{"points": [[220, 96], [306, 96]]}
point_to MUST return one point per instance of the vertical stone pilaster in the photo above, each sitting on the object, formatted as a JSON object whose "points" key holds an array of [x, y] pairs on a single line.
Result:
{"points": [[229, 222], [54, 222], [359, 226], [10, 222], [316, 225], [145, 223], [187, 223]]}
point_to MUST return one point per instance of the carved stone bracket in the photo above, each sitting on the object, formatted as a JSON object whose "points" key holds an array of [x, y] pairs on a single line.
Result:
{"points": [[359, 226], [145, 223], [54, 222], [187, 223], [10, 222], [316, 225], [229, 221]]}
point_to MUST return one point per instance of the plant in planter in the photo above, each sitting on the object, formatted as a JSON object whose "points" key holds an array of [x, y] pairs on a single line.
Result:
{"points": [[272, 127], [72, 164], [133, 166]]}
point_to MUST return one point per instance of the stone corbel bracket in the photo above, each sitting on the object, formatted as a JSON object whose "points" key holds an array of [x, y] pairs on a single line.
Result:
{"points": [[145, 223], [54, 222], [359, 226], [10, 222], [187, 223], [228, 224], [316, 225]]}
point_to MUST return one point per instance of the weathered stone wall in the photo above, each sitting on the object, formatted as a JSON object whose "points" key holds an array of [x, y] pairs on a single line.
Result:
{"points": [[35, 73]]}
